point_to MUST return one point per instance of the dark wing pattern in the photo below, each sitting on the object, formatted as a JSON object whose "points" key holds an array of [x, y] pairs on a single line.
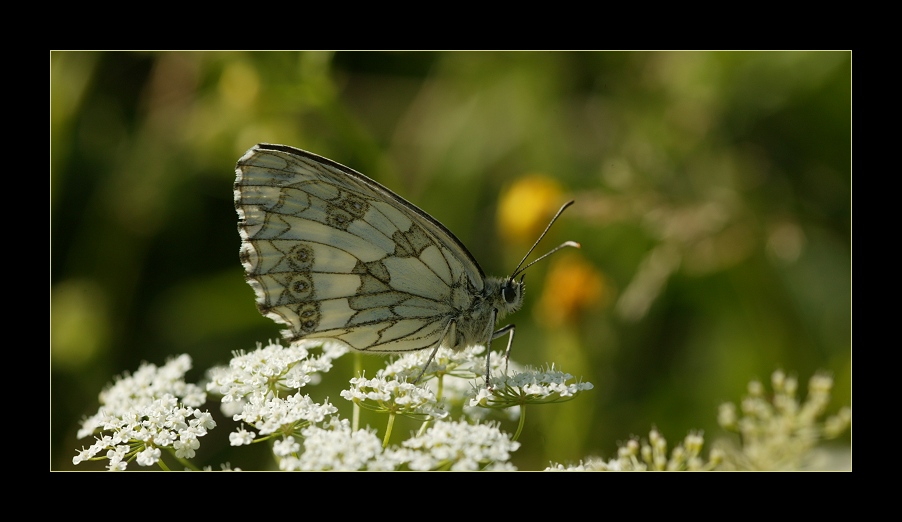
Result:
{"points": [[332, 254]]}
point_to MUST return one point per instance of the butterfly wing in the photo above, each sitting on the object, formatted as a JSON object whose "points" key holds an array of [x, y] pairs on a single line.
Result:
{"points": [[334, 255]]}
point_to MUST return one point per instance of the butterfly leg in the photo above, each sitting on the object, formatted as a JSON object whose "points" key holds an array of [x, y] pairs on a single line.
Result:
{"points": [[452, 327], [509, 329]]}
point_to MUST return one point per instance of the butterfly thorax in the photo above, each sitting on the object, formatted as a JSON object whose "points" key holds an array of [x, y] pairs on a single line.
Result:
{"points": [[474, 325]]}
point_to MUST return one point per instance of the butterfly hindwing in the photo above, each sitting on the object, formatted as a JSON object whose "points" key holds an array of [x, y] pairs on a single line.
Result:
{"points": [[333, 254]]}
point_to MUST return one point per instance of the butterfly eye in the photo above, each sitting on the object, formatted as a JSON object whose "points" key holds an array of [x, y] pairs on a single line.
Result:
{"points": [[509, 291]]}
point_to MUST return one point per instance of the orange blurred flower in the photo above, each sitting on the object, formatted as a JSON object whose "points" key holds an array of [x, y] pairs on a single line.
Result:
{"points": [[572, 286]]}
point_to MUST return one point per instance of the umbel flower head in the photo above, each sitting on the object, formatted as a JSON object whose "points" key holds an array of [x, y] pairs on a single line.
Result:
{"points": [[651, 455], [335, 446], [392, 396], [283, 415], [467, 364], [258, 386], [531, 386], [271, 370], [154, 412], [141, 414], [779, 432], [457, 446]]}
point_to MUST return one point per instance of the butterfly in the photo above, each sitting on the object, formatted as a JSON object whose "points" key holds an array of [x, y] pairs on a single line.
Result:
{"points": [[334, 255]]}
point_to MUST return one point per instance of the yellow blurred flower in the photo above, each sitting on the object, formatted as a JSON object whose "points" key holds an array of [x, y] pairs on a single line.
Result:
{"points": [[572, 286], [525, 207]]}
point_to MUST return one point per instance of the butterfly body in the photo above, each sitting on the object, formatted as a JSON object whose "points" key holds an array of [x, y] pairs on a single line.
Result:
{"points": [[332, 254]]}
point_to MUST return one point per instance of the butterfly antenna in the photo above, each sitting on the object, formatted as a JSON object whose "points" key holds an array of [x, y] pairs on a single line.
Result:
{"points": [[518, 270], [562, 245]]}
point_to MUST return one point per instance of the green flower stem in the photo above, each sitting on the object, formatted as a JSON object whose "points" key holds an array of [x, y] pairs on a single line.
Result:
{"points": [[522, 422], [438, 397], [355, 415], [441, 388], [391, 423], [187, 463]]}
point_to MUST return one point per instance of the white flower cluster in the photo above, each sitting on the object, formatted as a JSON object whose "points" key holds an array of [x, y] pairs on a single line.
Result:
{"points": [[336, 447], [778, 430], [268, 370], [446, 445], [466, 364], [153, 411], [393, 396], [147, 411], [532, 386], [651, 455], [275, 414], [458, 446], [255, 389]]}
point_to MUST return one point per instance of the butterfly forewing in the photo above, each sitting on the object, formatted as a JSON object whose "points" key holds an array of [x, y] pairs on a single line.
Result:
{"points": [[333, 254]]}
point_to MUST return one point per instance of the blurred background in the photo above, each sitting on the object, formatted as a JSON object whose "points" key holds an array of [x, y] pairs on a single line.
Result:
{"points": [[713, 205]]}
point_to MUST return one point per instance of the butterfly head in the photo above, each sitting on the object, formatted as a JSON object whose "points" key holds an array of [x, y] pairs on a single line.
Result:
{"points": [[512, 292], [505, 295]]}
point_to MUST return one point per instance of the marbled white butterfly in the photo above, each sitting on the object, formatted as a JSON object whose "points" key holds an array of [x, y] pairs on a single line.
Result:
{"points": [[335, 255]]}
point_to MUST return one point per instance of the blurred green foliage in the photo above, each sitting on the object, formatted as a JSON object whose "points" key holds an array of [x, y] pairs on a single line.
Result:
{"points": [[713, 205]]}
